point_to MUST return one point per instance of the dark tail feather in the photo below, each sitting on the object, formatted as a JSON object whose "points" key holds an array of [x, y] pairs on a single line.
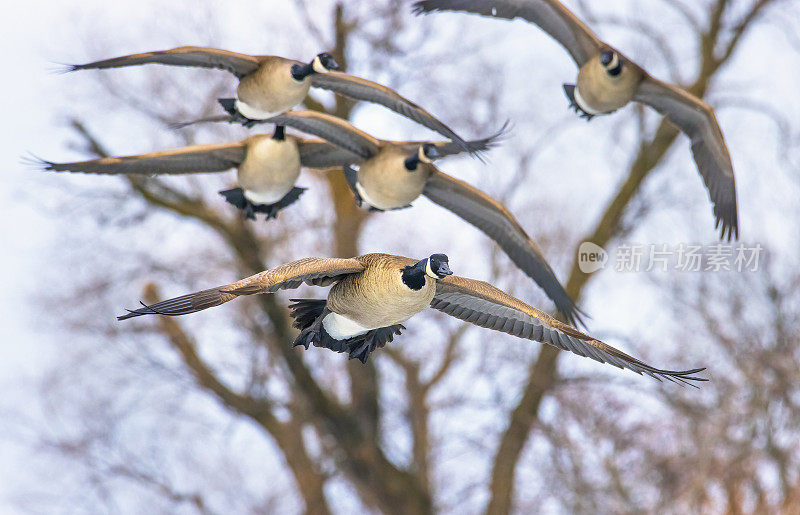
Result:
{"points": [[229, 105], [360, 348], [235, 196], [182, 305], [351, 176], [306, 311], [272, 210], [210, 119], [233, 116]]}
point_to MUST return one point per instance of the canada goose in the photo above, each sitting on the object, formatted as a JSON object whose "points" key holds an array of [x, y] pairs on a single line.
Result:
{"points": [[267, 167], [270, 85], [373, 294], [393, 174], [608, 80]]}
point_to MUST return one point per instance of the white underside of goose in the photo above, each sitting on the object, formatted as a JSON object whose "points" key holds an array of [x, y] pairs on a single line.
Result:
{"points": [[341, 328], [254, 113], [264, 197], [365, 198], [582, 103]]}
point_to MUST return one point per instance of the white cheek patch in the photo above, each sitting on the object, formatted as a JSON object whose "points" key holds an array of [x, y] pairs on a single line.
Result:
{"points": [[254, 113], [316, 64], [582, 103], [429, 271], [614, 61], [422, 156], [341, 328]]}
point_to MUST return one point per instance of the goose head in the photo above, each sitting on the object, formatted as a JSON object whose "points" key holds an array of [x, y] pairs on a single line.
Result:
{"points": [[324, 63], [611, 62], [437, 266], [425, 153]]}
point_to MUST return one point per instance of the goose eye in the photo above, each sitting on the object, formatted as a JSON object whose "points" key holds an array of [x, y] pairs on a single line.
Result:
{"points": [[430, 150]]}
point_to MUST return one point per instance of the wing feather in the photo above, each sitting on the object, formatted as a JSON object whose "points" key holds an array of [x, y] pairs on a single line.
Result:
{"points": [[697, 120], [368, 91], [236, 63], [480, 303], [323, 154], [550, 15], [314, 271], [192, 159], [330, 128], [497, 222], [451, 148]]}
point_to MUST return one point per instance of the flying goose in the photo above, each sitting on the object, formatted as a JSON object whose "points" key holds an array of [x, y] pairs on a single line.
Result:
{"points": [[608, 80], [267, 166], [374, 294], [270, 85], [393, 174]]}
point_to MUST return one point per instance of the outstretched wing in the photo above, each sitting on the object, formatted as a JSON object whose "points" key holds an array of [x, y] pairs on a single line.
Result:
{"points": [[193, 159], [330, 128], [368, 91], [494, 219], [484, 305], [314, 271], [451, 148], [323, 154], [202, 57], [550, 15], [697, 120]]}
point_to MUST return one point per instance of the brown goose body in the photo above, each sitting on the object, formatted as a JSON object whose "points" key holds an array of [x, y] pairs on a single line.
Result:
{"points": [[598, 92], [378, 297], [385, 183], [270, 89], [270, 168]]}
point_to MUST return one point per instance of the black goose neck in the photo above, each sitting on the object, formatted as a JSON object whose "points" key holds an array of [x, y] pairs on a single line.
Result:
{"points": [[411, 163], [280, 133], [301, 71], [414, 276]]}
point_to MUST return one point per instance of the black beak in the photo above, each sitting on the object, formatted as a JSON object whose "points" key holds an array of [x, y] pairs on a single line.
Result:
{"points": [[443, 270], [332, 64], [433, 153]]}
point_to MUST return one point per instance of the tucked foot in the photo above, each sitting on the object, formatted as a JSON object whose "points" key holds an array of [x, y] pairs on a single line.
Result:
{"points": [[305, 312], [229, 105], [236, 197], [351, 176], [361, 347]]}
